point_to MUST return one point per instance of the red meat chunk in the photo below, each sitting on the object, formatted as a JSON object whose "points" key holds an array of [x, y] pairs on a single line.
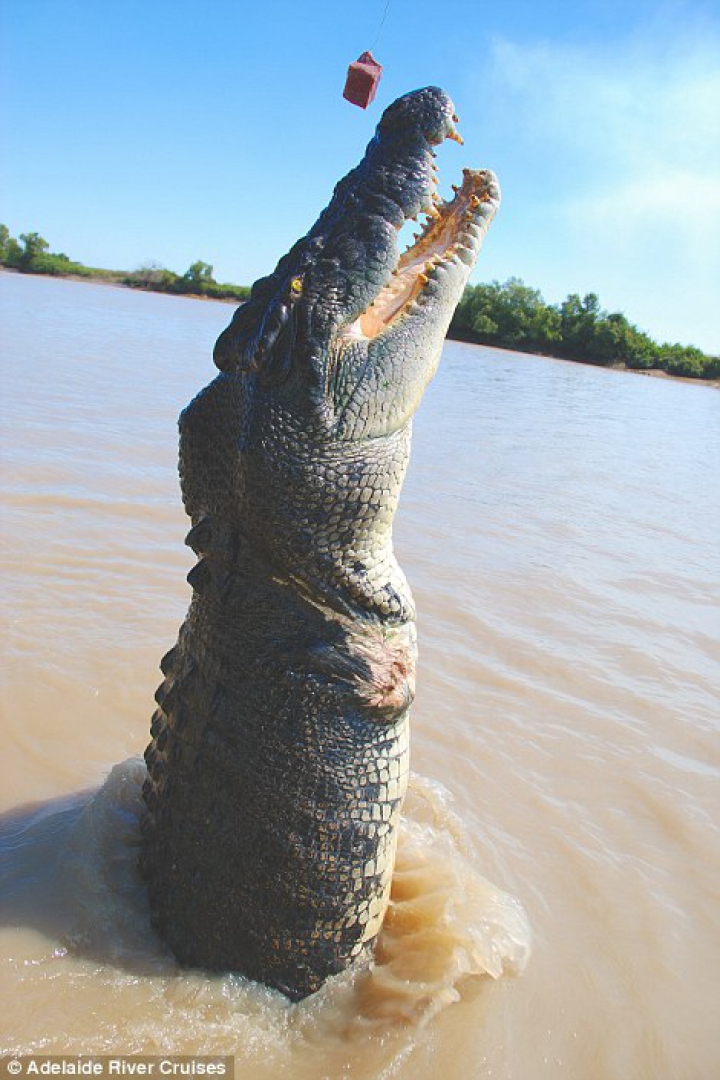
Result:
{"points": [[362, 80]]}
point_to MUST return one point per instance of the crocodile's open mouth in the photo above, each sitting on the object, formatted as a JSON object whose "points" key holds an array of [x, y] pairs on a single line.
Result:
{"points": [[345, 286], [451, 235]]}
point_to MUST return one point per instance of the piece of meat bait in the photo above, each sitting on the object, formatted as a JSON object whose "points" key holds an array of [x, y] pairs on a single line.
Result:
{"points": [[362, 81]]}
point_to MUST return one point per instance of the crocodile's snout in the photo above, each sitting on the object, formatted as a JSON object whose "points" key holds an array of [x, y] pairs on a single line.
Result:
{"points": [[429, 112]]}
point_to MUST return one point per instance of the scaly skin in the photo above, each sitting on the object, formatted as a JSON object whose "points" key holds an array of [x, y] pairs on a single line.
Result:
{"points": [[279, 757]]}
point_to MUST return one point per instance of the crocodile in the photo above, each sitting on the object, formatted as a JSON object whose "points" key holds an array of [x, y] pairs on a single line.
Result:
{"points": [[278, 758]]}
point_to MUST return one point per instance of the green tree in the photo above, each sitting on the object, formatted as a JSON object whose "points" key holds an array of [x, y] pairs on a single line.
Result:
{"points": [[516, 316], [152, 275], [198, 276], [626, 344], [512, 314], [584, 329], [34, 245]]}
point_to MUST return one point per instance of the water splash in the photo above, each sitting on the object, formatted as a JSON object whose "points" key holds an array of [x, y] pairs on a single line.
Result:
{"points": [[445, 924]]}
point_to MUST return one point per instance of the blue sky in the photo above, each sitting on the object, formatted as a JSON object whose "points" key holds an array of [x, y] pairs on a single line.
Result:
{"points": [[168, 131]]}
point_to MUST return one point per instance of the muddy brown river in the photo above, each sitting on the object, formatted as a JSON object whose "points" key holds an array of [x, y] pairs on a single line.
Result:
{"points": [[556, 907]]}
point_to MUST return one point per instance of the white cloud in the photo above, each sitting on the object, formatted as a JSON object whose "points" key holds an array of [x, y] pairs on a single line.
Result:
{"points": [[675, 209], [623, 143]]}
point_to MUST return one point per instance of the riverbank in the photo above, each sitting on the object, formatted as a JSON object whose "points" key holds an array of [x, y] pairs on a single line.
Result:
{"points": [[653, 373], [515, 316], [116, 280], [509, 315], [142, 282], [30, 254]]}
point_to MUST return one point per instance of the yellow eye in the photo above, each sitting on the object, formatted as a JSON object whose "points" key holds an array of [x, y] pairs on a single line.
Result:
{"points": [[296, 286]]}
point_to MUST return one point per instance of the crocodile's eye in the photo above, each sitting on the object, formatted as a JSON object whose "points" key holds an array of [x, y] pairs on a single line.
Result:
{"points": [[296, 286]]}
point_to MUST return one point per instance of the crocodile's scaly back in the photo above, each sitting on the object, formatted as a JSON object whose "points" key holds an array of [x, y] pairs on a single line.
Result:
{"points": [[279, 752]]}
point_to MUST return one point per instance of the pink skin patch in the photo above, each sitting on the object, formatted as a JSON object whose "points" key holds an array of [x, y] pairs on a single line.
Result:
{"points": [[390, 685]]}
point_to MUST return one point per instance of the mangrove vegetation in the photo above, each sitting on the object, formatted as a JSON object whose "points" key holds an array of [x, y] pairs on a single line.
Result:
{"points": [[30, 253], [509, 315], [512, 315]]}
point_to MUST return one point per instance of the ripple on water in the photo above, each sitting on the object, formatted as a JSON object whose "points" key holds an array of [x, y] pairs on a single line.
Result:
{"points": [[445, 924]]}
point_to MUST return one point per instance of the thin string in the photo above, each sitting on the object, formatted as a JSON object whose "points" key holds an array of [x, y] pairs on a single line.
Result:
{"points": [[382, 23]]}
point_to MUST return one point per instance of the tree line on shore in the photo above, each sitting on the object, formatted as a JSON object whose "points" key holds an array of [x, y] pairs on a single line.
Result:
{"points": [[513, 315], [509, 314], [31, 254]]}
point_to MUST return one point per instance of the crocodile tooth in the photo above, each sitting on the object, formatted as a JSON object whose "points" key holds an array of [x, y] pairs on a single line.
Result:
{"points": [[466, 255]]}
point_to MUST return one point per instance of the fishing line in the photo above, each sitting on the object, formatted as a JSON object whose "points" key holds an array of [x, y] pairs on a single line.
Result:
{"points": [[382, 23], [364, 73]]}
